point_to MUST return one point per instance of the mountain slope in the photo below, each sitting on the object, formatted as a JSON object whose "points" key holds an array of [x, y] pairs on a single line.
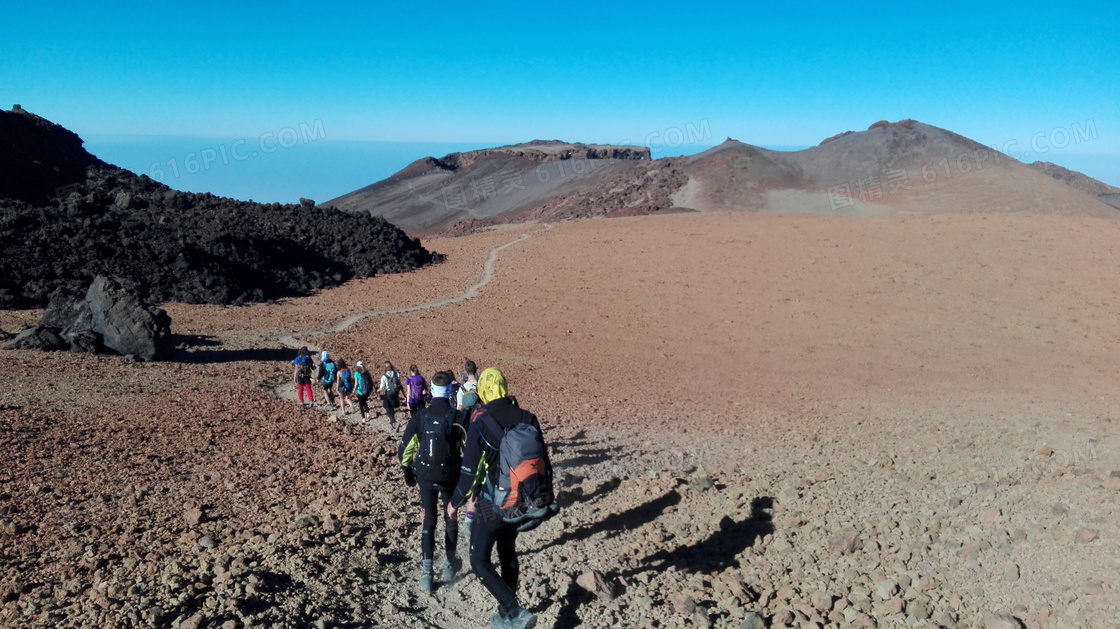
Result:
{"points": [[902, 167]]}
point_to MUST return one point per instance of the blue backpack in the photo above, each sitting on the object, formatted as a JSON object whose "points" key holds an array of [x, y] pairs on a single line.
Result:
{"points": [[345, 382], [328, 372]]}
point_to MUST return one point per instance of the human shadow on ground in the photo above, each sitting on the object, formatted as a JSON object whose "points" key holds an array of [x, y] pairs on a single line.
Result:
{"points": [[576, 494], [720, 550], [709, 556], [186, 351], [616, 523]]}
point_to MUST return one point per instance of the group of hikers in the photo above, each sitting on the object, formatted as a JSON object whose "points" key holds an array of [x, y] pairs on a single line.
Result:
{"points": [[342, 385], [467, 447]]}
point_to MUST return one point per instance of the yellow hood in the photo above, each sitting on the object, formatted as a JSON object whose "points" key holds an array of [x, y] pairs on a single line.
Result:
{"points": [[492, 385]]}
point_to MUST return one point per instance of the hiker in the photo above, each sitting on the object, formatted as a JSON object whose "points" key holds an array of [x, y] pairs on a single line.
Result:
{"points": [[452, 388], [345, 388], [301, 376], [390, 390], [327, 377], [363, 387], [431, 454], [417, 389], [503, 434]]}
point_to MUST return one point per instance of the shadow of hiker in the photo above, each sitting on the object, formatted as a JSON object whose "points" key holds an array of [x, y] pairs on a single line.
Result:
{"points": [[615, 523], [568, 498], [718, 551]]}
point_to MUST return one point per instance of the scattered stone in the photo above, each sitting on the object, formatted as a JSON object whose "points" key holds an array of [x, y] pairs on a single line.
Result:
{"points": [[194, 622], [886, 588], [1084, 536], [993, 620], [193, 516], [845, 543], [1092, 588], [8, 527], [1011, 573], [822, 601], [207, 541], [753, 621], [701, 482], [306, 520], [682, 604], [593, 581], [331, 524]]}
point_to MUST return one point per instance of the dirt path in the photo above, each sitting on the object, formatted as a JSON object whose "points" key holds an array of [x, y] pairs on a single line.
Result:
{"points": [[471, 292]]}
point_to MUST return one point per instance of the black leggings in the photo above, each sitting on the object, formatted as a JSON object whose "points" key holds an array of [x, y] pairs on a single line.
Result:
{"points": [[363, 404], [429, 494], [487, 531]]}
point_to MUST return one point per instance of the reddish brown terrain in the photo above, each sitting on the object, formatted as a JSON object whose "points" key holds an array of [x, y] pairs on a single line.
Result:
{"points": [[827, 421]]}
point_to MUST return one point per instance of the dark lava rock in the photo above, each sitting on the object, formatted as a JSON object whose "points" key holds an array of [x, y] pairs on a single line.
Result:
{"points": [[108, 318], [67, 217], [124, 323], [40, 338]]}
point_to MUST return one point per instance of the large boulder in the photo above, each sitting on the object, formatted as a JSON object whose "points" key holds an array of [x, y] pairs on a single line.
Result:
{"points": [[126, 324], [108, 318]]}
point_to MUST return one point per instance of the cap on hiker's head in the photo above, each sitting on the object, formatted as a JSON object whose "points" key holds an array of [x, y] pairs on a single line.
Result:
{"points": [[359, 364], [325, 355], [303, 351], [492, 385]]}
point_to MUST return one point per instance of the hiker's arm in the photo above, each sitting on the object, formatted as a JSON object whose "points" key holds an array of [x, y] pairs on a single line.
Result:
{"points": [[474, 464], [410, 444]]}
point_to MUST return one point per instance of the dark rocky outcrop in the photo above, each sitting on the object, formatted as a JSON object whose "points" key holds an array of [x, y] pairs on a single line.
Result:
{"points": [[66, 217], [108, 318]]}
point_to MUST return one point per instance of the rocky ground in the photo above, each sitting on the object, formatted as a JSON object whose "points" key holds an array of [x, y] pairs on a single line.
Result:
{"points": [[756, 421]]}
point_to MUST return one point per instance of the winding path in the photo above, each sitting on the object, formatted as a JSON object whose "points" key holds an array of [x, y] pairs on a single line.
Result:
{"points": [[471, 292]]}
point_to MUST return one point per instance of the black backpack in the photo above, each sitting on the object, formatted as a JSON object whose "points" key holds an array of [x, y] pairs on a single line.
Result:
{"points": [[522, 488], [439, 459], [304, 367]]}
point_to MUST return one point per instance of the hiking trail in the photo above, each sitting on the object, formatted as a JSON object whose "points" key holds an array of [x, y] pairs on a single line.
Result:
{"points": [[285, 390]]}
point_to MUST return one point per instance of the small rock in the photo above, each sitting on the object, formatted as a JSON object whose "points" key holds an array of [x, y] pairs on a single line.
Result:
{"points": [[1092, 588], [892, 607], [886, 588], [1045, 452], [701, 482], [1011, 573], [306, 520], [781, 617], [9, 528], [752, 621], [1084, 536], [593, 581], [845, 543], [193, 516], [683, 604], [822, 601], [194, 622], [331, 524], [993, 620], [207, 541]]}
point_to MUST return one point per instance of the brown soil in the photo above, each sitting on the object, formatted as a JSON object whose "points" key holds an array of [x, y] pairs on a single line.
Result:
{"points": [[728, 395]]}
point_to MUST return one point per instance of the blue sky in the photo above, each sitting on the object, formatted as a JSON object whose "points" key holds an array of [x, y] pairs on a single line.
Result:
{"points": [[434, 75]]}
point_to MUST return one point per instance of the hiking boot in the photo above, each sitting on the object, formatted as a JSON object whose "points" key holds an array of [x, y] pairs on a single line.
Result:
{"points": [[522, 619], [451, 568], [426, 582]]}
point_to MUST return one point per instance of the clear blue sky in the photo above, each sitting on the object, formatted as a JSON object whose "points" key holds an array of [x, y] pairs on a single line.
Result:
{"points": [[452, 74]]}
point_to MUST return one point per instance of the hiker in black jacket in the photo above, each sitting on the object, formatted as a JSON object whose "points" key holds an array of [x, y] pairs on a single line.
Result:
{"points": [[481, 460], [431, 455]]}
